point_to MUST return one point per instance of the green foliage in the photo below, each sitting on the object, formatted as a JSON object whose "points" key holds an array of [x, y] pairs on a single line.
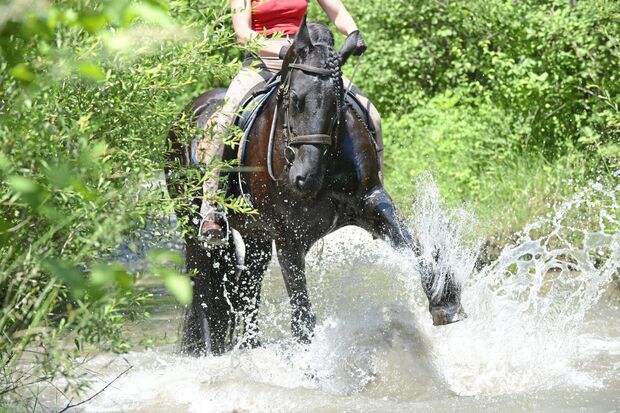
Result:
{"points": [[178, 285], [551, 66], [88, 90], [509, 103]]}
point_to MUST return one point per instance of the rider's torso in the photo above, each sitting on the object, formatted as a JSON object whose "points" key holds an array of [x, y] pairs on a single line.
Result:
{"points": [[271, 16]]}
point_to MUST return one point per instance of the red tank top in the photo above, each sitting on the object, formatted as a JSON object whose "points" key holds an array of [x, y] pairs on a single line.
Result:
{"points": [[271, 16]]}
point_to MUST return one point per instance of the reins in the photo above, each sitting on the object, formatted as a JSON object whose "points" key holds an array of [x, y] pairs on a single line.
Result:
{"points": [[357, 63]]}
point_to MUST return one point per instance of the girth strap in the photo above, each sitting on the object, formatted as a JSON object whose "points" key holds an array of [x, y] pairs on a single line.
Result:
{"points": [[314, 139]]}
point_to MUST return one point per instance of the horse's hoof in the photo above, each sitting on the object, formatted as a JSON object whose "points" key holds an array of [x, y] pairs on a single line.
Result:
{"points": [[443, 315]]}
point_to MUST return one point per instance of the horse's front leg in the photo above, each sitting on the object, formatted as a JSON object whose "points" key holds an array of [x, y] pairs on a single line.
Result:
{"points": [[293, 261], [380, 218]]}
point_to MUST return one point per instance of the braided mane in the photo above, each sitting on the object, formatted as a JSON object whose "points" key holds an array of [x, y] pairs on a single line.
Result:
{"points": [[322, 36]]}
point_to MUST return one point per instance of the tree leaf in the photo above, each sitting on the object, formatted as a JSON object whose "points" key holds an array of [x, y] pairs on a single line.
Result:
{"points": [[91, 71], [23, 73], [164, 256], [179, 286], [93, 22], [68, 274], [27, 189]]}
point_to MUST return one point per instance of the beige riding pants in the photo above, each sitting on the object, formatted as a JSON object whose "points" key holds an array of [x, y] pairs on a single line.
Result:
{"points": [[211, 147]]}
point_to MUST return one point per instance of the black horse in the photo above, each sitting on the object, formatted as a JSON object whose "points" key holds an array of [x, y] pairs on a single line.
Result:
{"points": [[311, 168]]}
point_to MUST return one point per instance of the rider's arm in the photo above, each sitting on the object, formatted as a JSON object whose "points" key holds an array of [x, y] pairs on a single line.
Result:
{"points": [[339, 15], [242, 23]]}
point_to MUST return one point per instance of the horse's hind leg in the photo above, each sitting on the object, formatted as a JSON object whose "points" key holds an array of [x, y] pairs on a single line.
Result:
{"points": [[209, 320], [257, 258], [293, 263]]}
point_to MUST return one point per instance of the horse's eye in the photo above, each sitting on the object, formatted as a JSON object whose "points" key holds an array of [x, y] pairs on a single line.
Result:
{"points": [[298, 101]]}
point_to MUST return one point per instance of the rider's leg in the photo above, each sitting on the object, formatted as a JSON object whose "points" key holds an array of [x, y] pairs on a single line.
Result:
{"points": [[374, 116], [209, 150]]}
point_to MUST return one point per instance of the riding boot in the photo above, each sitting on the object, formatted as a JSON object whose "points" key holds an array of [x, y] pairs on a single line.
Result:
{"points": [[213, 226]]}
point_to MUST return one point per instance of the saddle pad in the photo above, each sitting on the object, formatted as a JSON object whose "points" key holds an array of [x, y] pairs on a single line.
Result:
{"points": [[249, 111]]}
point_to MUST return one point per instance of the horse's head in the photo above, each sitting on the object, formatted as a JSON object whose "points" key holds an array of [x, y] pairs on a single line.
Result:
{"points": [[311, 98]]}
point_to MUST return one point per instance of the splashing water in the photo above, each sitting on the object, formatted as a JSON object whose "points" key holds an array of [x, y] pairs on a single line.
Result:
{"points": [[527, 307], [542, 328], [445, 235]]}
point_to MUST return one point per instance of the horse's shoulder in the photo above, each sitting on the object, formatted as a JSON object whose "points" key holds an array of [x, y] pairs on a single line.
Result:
{"points": [[358, 126]]}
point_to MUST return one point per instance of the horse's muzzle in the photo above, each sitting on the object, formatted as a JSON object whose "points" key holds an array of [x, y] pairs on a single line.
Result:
{"points": [[307, 185], [449, 314]]}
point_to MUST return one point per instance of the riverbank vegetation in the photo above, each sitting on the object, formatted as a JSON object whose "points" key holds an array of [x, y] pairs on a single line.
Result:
{"points": [[88, 90], [511, 105]]}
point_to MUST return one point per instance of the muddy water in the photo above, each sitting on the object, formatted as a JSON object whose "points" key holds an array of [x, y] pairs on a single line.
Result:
{"points": [[543, 332]]}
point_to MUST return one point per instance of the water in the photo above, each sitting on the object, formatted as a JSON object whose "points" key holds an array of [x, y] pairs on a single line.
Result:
{"points": [[543, 331]]}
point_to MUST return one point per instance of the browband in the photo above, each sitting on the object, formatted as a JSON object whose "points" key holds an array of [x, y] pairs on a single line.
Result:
{"points": [[310, 69]]}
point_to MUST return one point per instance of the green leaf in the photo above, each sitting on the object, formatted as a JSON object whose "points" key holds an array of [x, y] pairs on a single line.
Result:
{"points": [[4, 234], [23, 73], [59, 176], [164, 256], [27, 189], [93, 22], [51, 212], [116, 12], [588, 136], [5, 162], [179, 286], [152, 13], [107, 275], [66, 272], [91, 71], [611, 150]]}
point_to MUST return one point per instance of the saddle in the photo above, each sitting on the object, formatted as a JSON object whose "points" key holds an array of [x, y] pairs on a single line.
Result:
{"points": [[252, 106]]}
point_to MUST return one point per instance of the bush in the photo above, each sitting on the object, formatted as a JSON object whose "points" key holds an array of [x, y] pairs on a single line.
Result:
{"points": [[88, 91], [510, 103], [550, 66]]}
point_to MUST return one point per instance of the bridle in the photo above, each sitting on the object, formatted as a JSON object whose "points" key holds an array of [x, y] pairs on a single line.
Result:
{"points": [[284, 93], [290, 139]]}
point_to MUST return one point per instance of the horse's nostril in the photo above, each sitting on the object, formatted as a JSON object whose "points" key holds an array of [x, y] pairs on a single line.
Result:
{"points": [[300, 181], [307, 185]]}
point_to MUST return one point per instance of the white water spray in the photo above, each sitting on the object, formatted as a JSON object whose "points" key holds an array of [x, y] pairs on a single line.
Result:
{"points": [[535, 327]]}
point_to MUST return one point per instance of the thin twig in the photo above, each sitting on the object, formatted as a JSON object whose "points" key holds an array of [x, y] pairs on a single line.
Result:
{"points": [[556, 110], [69, 405]]}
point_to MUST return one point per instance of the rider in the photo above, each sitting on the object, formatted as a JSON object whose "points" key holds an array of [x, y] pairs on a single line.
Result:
{"points": [[252, 19]]}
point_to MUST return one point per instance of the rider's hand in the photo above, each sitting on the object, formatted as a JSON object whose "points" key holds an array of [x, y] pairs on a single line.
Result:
{"points": [[355, 43]]}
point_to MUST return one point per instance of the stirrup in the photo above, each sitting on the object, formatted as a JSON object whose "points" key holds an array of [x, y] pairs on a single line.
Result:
{"points": [[214, 240]]}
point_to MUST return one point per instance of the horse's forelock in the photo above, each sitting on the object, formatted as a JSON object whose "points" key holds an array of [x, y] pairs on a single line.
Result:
{"points": [[320, 34], [323, 42]]}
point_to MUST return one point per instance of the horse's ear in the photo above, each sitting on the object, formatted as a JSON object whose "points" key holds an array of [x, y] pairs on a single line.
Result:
{"points": [[302, 38]]}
